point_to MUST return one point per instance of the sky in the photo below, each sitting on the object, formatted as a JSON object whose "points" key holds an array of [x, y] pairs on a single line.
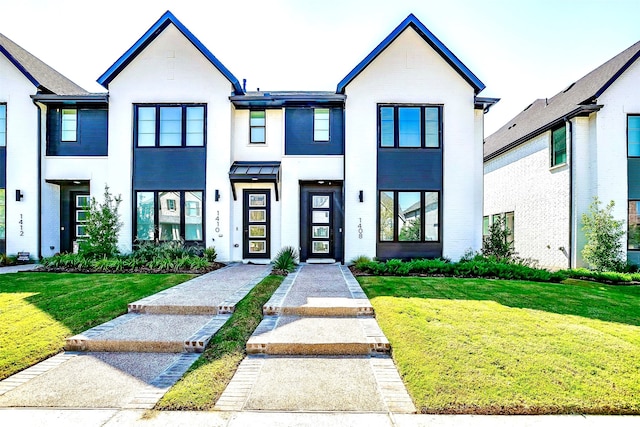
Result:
{"points": [[521, 50]]}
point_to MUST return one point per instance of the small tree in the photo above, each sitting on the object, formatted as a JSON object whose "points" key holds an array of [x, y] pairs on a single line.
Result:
{"points": [[102, 227], [603, 250], [497, 243]]}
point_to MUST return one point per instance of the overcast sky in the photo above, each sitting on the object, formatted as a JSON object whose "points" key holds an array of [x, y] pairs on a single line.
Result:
{"points": [[521, 50]]}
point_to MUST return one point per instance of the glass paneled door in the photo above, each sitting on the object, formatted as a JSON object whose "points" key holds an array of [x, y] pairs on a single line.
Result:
{"points": [[256, 240], [321, 225], [80, 204]]}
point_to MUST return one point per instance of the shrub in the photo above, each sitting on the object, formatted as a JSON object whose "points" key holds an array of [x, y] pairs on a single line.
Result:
{"points": [[210, 254], [497, 243], [286, 259], [603, 250], [102, 227]]}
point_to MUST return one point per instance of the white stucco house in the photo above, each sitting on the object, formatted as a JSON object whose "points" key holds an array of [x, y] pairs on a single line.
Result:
{"points": [[544, 167], [388, 165]]}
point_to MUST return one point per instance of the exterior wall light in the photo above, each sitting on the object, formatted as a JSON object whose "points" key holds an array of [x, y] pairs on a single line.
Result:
{"points": [[361, 196], [19, 195], [217, 195]]}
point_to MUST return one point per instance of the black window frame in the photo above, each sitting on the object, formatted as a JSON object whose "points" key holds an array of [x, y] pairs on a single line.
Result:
{"points": [[328, 125], [636, 200], [396, 228], [552, 146], [264, 127], [183, 215], [183, 140], [4, 129], [396, 126]]}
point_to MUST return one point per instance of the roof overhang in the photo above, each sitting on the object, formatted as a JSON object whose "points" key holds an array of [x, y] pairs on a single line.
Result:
{"points": [[484, 104], [165, 20], [581, 111], [279, 100], [427, 36], [252, 172], [93, 98]]}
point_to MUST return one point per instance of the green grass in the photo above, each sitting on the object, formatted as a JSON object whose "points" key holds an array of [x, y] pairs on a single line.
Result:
{"points": [[39, 310], [504, 347], [205, 381]]}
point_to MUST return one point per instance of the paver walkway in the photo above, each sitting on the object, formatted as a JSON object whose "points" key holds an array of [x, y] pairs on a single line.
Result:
{"points": [[131, 361], [318, 348]]}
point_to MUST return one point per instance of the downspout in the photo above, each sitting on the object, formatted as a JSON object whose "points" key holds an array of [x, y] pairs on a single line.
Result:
{"points": [[570, 249], [39, 179]]}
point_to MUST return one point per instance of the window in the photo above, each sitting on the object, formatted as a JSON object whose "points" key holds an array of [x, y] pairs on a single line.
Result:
{"points": [[3, 125], [485, 226], [170, 125], [409, 126], [69, 126], [633, 136], [633, 236], [257, 125], [2, 215], [321, 124], [509, 221], [409, 216], [160, 215], [559, 146]]}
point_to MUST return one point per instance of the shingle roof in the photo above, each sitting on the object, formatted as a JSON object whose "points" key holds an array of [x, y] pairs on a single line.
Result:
{"points": [[40, 74], [542, 114]]}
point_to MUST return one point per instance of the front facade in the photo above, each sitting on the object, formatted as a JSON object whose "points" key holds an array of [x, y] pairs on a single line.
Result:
{"points": [[372, 169], [544, 167]]}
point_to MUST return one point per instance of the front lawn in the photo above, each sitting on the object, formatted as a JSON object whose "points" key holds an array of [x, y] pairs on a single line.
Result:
{"points": [[504, 347], [39, 310]]}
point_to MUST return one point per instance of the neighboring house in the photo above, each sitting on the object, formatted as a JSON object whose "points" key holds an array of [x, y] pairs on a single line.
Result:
{"points": [[544, 167], [389, 165]]}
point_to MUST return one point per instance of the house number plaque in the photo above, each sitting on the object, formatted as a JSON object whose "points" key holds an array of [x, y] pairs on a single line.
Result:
{"points": [[217, 221], [360, 229], [21, 226]]}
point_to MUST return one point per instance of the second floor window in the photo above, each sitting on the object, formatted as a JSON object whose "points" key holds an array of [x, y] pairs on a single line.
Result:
{"points": [[170, 125], [409, 126], [257, 127], [559, 146], [321, 124], [633, 136], [69, 126]]}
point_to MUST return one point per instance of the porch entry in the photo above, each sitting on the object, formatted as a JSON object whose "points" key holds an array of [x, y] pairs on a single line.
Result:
{"points": [[256, 224], [321, 221], [74, 206]]}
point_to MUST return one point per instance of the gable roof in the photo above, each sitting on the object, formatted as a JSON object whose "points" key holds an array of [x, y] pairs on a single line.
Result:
{"points": [[437, 45], [148, 37], [579, 98], [42, 76]]}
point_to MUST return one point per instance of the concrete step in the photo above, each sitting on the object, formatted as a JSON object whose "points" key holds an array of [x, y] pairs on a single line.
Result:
{"points": [[324, 306], [296, 335], [159, 333]]}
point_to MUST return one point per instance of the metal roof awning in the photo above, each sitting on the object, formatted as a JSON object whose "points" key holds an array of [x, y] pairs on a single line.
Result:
{"points": [[254, 172]]}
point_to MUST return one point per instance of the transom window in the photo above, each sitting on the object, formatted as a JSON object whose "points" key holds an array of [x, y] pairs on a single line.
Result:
{"points": [[409, 216], [321, 124], [257, 127], [3, 125], [559, 146], [633, 136], [170, 125], [169, 215], [69, 126], [402, 126]]}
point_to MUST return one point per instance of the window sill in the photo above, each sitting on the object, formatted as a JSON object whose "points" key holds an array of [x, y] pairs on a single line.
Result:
{"points": [[558, 167]]}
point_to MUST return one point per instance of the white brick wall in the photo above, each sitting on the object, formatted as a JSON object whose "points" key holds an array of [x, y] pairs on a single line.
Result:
{"points": [[521, 181]]}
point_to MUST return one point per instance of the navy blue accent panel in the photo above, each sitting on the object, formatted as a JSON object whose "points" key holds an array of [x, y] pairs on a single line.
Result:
{"points": [[299, 133], [437, 45], [408, 250], [169, 168], [3, 167], [92, 139], [633, 177], [409, 169], [153, 32]]}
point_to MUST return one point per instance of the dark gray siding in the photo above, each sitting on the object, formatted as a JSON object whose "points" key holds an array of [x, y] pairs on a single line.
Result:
{"points": [[92, 137], [179, 168], [299, 133]]}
